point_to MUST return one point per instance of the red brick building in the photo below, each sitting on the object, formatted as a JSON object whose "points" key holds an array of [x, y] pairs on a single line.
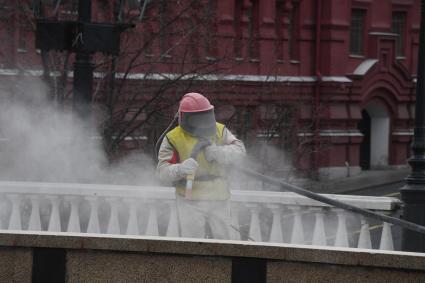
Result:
{"points": [[332, 83]]}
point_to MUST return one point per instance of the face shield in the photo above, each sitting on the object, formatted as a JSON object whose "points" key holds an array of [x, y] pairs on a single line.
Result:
{"points": [[200, 124]]}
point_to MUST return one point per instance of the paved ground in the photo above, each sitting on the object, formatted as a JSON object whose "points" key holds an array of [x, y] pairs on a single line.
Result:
{"points": [[365, 180]]}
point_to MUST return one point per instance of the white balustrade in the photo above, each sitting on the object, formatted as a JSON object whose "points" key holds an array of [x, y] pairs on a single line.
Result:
{"points": [[341, 238], [93, 226], [133, 224], [173, 224], [234, 226], [35, 223], [55, 220], [276, 235], [297, 236], [152, 226], [15, 217], [319, 234], [113, 224], [74, 218], [254, 227], [364, 238], [386, 238], [135, 210]]}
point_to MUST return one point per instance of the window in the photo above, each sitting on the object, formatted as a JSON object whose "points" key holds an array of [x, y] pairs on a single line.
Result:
{"points": [[238, 29], [253, 29], [398, 27], [242, 122], [24, 31], [209, 42], [280, 27], [287, 29], [357, 32], [164, 29], [293, 19], [69, 11], [276, 124]]}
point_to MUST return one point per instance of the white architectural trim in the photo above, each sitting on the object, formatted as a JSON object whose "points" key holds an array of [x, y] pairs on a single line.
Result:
{"points": [[340, 79], [402, 133], [174, 76], [364, 67], [383, 33], [333, 133]]}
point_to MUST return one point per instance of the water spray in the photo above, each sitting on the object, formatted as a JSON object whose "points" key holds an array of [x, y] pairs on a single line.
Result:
{"points": [[290, 187]]}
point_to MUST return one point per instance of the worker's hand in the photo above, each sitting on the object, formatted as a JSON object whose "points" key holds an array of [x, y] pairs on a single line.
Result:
{"points": [[223, 154], [188, 167], [215, 153]]}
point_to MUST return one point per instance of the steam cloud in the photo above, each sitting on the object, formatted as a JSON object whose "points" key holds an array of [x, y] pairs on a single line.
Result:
{"points": [[40, 142]]}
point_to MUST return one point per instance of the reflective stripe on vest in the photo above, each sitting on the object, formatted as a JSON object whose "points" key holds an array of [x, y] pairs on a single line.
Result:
{"points": [[204, 187]]}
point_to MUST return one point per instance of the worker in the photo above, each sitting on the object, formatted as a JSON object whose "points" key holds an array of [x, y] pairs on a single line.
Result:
{"points": [[207, 205]]}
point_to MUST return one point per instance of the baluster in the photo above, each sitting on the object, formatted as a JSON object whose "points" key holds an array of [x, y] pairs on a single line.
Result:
{"points": [[35, 223], [152, 226], [276, 235], [341, 239], [173, 224], [74, 217], [133, 224], [297, 236], [93, 226], [319, 234], [364, 238], [113, 225], [55, 221], [386, 238], [15, 217], [254, 227], [4, 208], [235, 229]]}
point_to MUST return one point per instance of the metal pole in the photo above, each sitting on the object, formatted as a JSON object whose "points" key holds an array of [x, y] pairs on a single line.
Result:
{"points": [[83, 67], [413, 193]]}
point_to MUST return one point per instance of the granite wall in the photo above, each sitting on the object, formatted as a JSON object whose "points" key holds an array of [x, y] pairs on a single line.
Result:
{"points": [[59, 257]]}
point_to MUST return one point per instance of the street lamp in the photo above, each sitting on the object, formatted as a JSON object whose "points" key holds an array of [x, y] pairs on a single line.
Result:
{"points": [[83, 37], [83, 67], [413, 193]]}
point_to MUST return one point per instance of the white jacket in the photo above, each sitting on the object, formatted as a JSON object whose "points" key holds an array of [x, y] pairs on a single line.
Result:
{"points": [[169, 161]]}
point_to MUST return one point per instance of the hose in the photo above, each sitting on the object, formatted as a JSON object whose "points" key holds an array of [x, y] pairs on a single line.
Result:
{"points": [[161, 137], [368, 213]]}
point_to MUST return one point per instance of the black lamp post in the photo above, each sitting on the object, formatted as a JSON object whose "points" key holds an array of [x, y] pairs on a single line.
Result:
{"points": [[83, 67], [413, 193], [83, 37]]}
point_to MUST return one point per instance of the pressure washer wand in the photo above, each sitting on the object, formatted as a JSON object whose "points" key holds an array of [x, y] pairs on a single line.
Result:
{"points": [[202, 143]]}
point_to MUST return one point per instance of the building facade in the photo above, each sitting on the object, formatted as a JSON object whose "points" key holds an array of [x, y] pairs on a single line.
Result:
{"points": [[328, 86]]}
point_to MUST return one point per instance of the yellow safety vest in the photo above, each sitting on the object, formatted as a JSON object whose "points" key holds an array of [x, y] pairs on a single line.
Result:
{"points": [[209, 183]]}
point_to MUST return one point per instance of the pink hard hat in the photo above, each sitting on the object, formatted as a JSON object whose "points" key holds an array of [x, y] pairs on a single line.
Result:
{"points": [[194, 102], [196, 115]]}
